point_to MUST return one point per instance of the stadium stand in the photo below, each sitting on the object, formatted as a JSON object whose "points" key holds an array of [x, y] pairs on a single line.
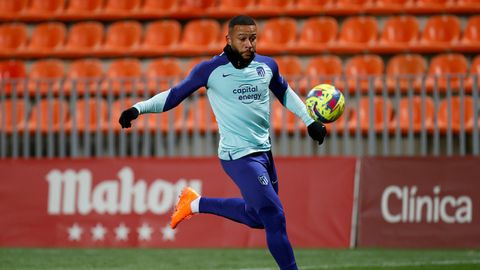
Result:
{"points": [[447, 72], [372, 113], [356, 35], [83, 39], [45, 77], [408, 56], [414, 114], [450, 114], [316, 34], [13, 38], [398, 33], [84, 76], [47, 115], [278, 35], [405, 72], [363, 72], [90, 115]]}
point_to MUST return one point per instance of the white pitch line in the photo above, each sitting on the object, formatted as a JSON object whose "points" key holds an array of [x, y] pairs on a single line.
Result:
{"points": [[386, 264]]}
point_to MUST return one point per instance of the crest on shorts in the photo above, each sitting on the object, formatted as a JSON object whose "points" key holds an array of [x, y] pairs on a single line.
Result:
{"points": [[263, 180]]}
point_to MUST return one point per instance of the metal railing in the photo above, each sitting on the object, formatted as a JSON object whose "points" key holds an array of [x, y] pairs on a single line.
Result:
{"points": [[79, 118]]}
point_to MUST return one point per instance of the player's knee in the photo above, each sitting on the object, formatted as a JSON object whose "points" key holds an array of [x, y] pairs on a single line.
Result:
{"points": [[255, 221], [273, 218]]}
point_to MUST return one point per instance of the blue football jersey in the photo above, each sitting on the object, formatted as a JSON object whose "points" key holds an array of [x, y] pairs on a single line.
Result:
{"points": [[240, 100]]}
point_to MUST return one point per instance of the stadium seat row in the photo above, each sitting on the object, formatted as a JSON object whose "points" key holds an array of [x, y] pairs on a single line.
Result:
{"points": [[411, 114], [357, 34], [361, 72], [28, 10]]}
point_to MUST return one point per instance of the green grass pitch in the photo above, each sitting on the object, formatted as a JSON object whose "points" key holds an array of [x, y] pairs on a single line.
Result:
{"points": [[234, 259]]}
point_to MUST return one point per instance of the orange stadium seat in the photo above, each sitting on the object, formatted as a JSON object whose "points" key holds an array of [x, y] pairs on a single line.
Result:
{"points": [[47, 115], [466, 6], [230, 8], [283, 119], [199, 37], [447, 71], [15, 113], [161, 37], [47, 39], [441, 33], [323, 69], [269, 8], [123, 75], [291, 69], [363, 70], [349, 7], [389, 6], [12, 9], [421, 113], [278, 35], [84, 38], [201, 118], [317, 35], [44, 9], [84, 76], [406, 71], [470, 41], [357, 34], [90, 114], [474, 75], [398, 34], [430, 6], [13, 39], [12, 74], [382, 115], [310, 7], [162, 73], [116, 9], [45, 76], [454, 114], [122, 38], [158, 8], [83, 9]]}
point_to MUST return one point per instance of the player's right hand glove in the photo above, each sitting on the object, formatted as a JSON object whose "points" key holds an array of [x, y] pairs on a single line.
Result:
{"points": [[317, 131], [127, 116]]}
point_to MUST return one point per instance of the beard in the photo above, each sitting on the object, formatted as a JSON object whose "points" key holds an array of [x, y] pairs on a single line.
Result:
{"points": [[236, 58]]}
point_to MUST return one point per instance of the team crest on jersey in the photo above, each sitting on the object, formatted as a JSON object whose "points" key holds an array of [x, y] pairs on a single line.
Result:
{"points": [[263, 180], [261, 72]]}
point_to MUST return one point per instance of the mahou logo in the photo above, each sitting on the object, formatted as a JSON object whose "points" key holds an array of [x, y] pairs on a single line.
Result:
{"points": [[71, 192], [430, 208]]}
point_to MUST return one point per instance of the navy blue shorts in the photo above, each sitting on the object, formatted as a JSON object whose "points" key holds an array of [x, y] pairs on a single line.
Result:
{"points": [[256, 177]]}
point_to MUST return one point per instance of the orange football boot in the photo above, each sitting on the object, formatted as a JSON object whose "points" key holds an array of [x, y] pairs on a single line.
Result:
{"points": [[183, 210]]}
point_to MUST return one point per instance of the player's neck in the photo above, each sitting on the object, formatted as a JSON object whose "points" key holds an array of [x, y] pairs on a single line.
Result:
{"points": [[236, 59]]}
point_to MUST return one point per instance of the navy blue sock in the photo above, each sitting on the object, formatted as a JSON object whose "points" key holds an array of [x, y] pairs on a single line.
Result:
{"points": [[231, 208]]}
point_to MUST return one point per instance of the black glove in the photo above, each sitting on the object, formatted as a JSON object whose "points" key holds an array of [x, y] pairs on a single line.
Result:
{"points": [[127, 116], [317, 131]]}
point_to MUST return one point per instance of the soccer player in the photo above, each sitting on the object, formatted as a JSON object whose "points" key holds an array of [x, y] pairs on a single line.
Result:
{"points": [[238, 83]]}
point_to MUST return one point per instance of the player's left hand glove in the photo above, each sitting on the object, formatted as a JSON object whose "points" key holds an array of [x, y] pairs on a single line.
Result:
{"points": [[127, 116], [317, 131]]}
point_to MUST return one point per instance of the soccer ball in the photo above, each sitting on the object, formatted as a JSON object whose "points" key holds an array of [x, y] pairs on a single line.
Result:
{"points": [[325, 103]]}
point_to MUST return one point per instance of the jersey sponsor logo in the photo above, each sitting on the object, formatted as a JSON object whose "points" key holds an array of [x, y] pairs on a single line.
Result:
{"points": [[247, 93], [261, 72], [263, 180]]}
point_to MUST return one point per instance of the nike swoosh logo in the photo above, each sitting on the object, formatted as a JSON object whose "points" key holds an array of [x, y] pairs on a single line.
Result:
{"points": [[226, 75]]}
